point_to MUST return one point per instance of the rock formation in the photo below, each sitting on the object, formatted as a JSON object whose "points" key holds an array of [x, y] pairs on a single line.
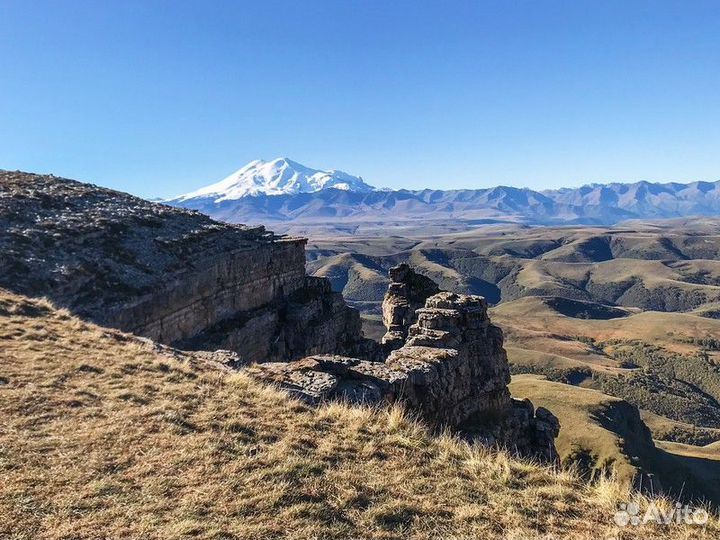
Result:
{"points": [[172, 275], [406, 294], [452, 371]]}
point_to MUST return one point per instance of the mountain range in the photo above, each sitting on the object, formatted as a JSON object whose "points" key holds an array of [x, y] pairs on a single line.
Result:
{"points": [[283, 190]]}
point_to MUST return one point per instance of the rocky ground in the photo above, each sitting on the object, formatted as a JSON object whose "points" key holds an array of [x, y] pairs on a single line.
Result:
{"points": [[88, 248], [452, 371]]}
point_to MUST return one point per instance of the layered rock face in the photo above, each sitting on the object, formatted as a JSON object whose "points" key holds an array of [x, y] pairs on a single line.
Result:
{"points": [[172, 275], [311, 320], [452, 370], [406, 294], [475, 379]]}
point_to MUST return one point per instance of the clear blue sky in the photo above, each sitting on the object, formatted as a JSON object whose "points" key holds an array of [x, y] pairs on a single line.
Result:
{"points": [[161, 97]]}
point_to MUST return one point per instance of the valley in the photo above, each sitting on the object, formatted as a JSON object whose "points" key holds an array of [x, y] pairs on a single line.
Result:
{"points": [[627, 314]]}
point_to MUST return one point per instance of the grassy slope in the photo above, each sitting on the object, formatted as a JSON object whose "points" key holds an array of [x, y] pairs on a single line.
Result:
{"points": [[581, 432], [602, 432], [104, 436], [643, 358]]}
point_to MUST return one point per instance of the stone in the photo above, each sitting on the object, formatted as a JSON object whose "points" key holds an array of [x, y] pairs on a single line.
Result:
{"points": [[358, 381], [406, 293], [452, 371]]}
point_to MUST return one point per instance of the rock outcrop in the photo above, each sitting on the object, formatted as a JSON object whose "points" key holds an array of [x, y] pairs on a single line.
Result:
{"points": [[406, 294], [452, 371], [172, 275]]}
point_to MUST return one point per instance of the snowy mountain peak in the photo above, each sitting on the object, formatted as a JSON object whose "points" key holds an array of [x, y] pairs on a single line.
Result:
{"points": [[280, 176]]}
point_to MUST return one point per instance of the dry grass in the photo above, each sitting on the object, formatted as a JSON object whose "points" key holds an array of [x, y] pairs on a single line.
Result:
{"points": [[579, 411], [102, 436]]}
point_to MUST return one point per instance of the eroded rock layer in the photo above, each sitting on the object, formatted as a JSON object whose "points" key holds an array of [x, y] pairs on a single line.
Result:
{"points": [[169, 274], [406, 294]]}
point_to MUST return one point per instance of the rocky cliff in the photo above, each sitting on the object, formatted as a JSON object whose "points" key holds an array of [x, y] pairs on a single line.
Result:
{"points": [[179, 278], [172, 275], [452, 370]]}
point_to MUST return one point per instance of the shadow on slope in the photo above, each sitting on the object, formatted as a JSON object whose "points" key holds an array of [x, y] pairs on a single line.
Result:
{"points": [[600, 433], [579, 309]]}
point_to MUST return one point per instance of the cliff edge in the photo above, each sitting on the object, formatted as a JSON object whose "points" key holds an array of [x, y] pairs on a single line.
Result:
{"points": [[172, 275], [451, 370]]}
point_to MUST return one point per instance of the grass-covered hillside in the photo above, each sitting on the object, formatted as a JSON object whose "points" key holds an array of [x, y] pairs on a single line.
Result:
{"points": [[600, 434], [664, 363], [639, 265], [106, 435]]}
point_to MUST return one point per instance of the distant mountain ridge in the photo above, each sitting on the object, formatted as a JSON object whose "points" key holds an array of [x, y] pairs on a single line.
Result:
{"points": [[285, 191]]}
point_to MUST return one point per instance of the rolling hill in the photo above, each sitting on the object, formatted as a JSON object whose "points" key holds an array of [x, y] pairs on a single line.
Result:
{"points": [[632, 267]]}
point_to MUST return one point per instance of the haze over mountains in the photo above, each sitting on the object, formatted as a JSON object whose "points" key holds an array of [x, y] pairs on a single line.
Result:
{"points": [[283, 190]]}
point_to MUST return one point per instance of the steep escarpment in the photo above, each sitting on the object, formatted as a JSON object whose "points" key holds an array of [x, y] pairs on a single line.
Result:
{"points": [[172, 275]]}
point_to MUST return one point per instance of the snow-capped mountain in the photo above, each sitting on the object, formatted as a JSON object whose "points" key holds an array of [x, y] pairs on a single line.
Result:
{"points": [[281, 176], [286, 191]]}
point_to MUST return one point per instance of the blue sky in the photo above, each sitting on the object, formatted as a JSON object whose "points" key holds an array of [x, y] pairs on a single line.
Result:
{"points": [[161, 97]]}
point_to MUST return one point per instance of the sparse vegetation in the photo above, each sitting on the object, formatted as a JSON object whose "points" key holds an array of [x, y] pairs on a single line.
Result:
{"points": [[666, 429], [601, 435], [685, 387], [708, 344]]}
